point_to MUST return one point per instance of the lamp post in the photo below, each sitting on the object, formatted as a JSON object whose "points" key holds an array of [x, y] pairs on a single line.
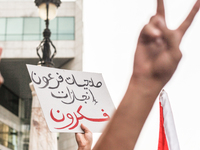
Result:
{"points": [[40, 136], [47, 11]]}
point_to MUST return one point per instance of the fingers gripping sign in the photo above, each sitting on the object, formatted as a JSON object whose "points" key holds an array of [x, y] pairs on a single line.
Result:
{"points": [[84, 140], [158, 54]]}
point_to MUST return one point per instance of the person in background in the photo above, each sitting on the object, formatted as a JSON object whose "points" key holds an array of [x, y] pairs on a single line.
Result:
{"points": [[156, 58], [84, 140]]}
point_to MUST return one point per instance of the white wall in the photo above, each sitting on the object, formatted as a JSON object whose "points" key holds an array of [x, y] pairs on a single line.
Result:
{"points": [[4, 148], [9, 118]]}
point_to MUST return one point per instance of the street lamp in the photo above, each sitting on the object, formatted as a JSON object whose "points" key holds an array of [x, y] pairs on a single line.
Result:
{"points": [[47, 11]]}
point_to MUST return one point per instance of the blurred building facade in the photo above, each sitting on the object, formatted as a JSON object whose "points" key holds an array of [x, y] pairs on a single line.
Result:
{"points": [[20, 33]]}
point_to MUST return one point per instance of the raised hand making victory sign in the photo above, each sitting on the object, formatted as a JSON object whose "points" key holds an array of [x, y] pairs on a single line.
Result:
{"points": [[157, 54], [156, 59]]}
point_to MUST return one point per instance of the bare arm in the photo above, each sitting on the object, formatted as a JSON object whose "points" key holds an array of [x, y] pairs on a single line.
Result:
{"points": [[156, 59]]}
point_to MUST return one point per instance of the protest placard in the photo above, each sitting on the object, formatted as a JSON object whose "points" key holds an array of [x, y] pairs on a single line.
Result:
{"points": [[71, 98]]}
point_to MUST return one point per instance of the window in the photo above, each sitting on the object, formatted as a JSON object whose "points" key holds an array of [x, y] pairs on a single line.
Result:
{"points": [[8, 136], [65, 28], [14, 29], [31, 29], [9, 100], [2, 28]]}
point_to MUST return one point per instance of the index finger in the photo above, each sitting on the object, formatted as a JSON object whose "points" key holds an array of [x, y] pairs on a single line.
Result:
{"points": [[187, 22], [160, 8], [84, 128]]}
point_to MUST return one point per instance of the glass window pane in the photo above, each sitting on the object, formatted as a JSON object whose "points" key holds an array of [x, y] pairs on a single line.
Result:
{"points": [[41, 37], [42, 25], [53, 26], [66, 37], [53, 37], [32, 26], [14, 26], [31, 37], [66, 25], [14, 37], [2, 38], [2, 25], [8, 136]]}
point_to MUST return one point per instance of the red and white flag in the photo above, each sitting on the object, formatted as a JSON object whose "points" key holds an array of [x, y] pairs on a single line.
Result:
{"points": [[167, 135]]}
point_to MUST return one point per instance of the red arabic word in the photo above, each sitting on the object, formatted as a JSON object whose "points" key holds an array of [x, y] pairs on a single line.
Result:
{"points": [[75, 120]]}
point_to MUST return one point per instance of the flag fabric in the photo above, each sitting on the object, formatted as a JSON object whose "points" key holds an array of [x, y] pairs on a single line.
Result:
{"points": [[168, 139]]}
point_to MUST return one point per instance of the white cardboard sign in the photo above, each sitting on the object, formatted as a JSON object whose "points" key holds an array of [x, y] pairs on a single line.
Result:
{"points": [[71, 98]]}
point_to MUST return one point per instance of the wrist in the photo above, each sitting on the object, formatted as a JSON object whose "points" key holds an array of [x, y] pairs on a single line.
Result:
{"points": [[145, 84]]}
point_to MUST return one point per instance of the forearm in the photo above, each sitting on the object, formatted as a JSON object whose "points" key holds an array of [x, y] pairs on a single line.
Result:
{"points": [[127, 122]]}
